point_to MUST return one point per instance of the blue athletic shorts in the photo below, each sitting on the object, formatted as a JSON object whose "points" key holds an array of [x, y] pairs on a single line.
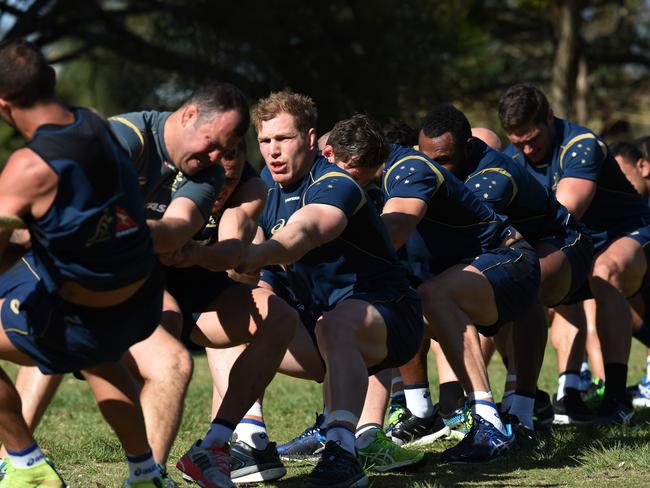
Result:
{"points": [[514, 274], [402, 314], [62, 337], [579, 250]]}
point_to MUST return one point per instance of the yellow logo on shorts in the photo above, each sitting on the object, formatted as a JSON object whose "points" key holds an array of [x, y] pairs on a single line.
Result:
{"points": [[14, 305]]}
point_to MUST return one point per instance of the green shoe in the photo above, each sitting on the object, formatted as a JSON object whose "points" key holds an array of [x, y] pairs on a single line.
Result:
{"points": [[43, 475], [394, 414], [384, 455], [166, 481], [459, 422], [593, 396]]}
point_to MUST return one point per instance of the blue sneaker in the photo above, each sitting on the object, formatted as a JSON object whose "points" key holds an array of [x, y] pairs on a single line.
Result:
{"points": [[482, 444], [641, 394], [307, 446]]}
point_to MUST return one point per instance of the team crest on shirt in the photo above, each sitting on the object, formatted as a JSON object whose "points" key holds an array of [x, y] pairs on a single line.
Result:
{"points": [[104, 229], [124, 224]]}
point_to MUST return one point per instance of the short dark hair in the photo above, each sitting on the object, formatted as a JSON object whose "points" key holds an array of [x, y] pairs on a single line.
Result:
{"points": [[629, 152], [359, 141], [399, 132], [447, 118], [643, 145], [522, 104], [217, 97], [26, 78]]}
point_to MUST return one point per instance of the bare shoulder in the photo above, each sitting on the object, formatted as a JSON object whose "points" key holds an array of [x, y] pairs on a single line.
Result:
{"points": [[26, 171]]}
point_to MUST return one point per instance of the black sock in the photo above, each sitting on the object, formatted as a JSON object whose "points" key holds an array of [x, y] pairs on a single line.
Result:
{"points": [[615, 381], [643, 334], [452, 396]]}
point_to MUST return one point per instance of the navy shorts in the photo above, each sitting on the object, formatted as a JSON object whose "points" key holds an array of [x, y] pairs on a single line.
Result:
{"points": [[63, 337], [402, 314], [514, 274], [579, 250], [194, 289]]}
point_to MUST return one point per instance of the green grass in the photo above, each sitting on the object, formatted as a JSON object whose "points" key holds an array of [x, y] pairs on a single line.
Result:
{"points": [[88, 454]]}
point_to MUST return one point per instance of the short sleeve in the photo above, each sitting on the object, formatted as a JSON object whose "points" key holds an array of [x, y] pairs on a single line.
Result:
{"points": [[336, 189], [582, 157], [412, 177], [129, 136], [202, 188], [493, 186]]}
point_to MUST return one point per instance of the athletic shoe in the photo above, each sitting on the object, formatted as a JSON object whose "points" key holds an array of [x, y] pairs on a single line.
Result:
{"points": [[458, 422], [250, 465], [593, 395], [307, 446], [543, 413], [640, 394], [585, 379], [483, 443], [154, 483], [411, 429], [570, 409], [384, 455], [3, 468], [44, 475], [614, 412], [337, 468], [527, 438], [166, 481], [395, 411], [207, 466]]}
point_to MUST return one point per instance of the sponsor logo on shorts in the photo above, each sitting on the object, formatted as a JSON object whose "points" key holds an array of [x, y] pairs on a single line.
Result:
{"points": [[291, 199], [156, 207], [103, 231]]}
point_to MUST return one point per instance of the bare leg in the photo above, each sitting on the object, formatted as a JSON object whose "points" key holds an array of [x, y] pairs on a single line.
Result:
{"points": [[594, 351], [374, 407]]}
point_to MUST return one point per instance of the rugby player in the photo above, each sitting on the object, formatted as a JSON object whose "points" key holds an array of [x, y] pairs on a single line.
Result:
{"points": [[565, 251], [176, 155], [91, 286], [574, 164]]}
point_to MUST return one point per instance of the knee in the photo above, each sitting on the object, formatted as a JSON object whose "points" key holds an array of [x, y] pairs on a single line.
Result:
{"points": [[331, 334], [284, 321], [175, 364], [605, 272]]}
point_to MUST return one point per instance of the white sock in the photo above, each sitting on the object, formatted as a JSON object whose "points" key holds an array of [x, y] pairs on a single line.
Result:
{"points": [[251, 430], [342, 435], [522, 407], [418, 400], [218, 434], [647, 368], [567, 380], [480, 405], [26, 458], [142, 468], [366, 435]]}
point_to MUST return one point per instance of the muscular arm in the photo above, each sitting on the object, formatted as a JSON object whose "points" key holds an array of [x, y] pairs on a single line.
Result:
{"points": [[180, 222], [575, 194], [237, 229], [311, 226], [401, 216], [27, 185]]}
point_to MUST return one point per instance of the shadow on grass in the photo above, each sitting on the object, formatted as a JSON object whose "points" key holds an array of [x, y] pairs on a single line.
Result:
{"points": [[566, 447]]}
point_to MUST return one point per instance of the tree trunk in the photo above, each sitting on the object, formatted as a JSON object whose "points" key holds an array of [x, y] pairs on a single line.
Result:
{"points": [[565, 64]]}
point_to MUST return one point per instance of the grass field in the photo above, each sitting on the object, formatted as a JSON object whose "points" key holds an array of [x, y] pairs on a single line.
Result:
{"points": [[88, 455]]}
